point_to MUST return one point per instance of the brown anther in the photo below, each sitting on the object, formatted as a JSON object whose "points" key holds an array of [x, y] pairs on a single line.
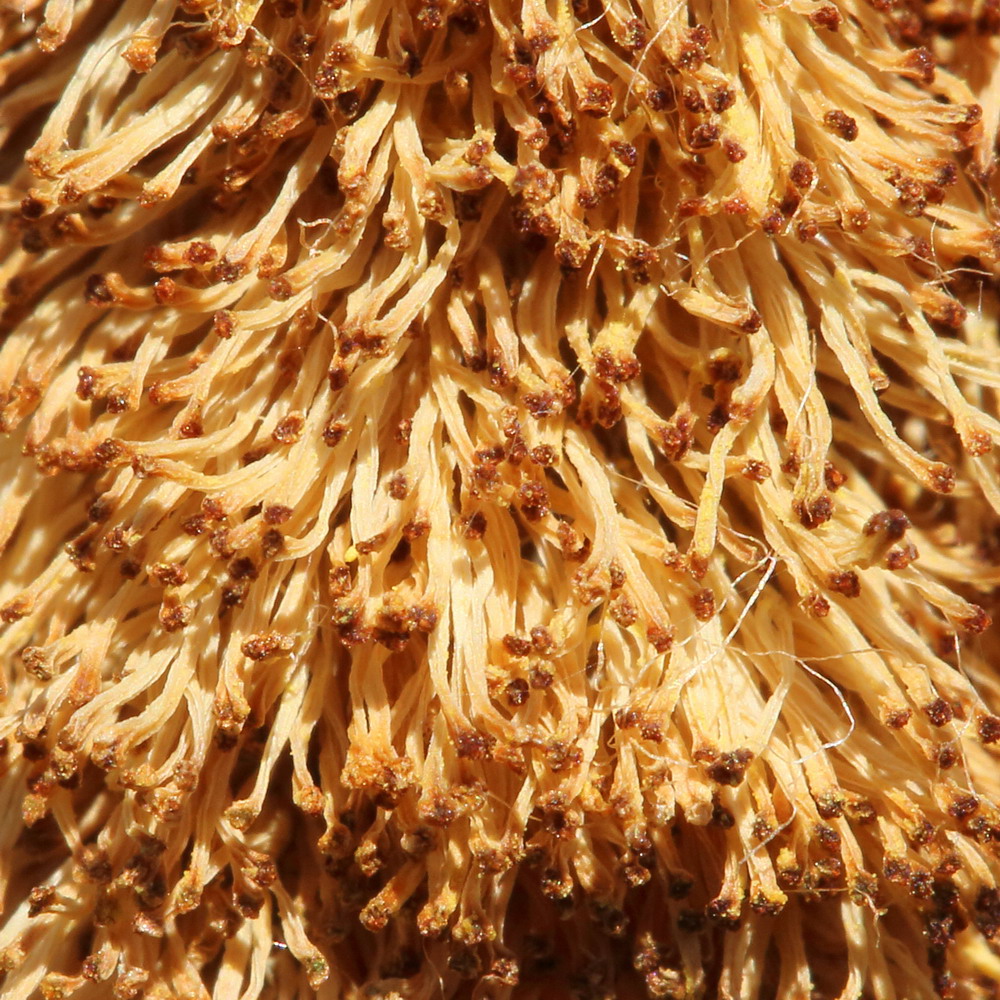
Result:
{"points": [[169, 574], [265, 645], [735, 153], [833, 477], [703, 604], [223, 324], [817, 605], [755, 470], [963, 806], [827, 17], [415, 528], [978, 621], [373, 544], [474, 526], [97, 291], [517, 692], [813, 513], [729, 768], [516, 646], [398, 486], [542, 641], [704, 136], [898, 718], [41, 899], [289, 429], [841, 123], [845, 583], [921, 64], [276, 514], [660, 638], [174, 615], [534, 499], [334, 432], [988, 728], [941, 478]]}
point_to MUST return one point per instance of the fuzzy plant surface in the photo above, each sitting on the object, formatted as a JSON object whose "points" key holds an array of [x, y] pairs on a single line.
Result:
{"points": [[499, 499]]}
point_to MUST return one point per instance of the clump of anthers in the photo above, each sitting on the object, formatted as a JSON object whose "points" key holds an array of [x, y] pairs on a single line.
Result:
{"points": [[499, 499]]}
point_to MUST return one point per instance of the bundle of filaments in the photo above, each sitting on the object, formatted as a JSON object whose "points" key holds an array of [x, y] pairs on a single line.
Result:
{"points": [[498, 499]]}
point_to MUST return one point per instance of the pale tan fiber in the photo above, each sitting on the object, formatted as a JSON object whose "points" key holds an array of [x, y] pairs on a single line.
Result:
{"points": [[499, 499]]}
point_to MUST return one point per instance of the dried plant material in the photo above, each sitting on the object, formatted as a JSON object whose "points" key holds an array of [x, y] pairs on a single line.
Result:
{"points": [[499, 499]]}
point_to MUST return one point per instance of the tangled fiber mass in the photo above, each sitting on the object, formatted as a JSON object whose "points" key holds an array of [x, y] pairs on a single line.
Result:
{"points": [[499, 499]]}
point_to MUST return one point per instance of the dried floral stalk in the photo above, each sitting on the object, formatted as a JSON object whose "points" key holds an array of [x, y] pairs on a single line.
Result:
{"points": [[499, 499]]}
